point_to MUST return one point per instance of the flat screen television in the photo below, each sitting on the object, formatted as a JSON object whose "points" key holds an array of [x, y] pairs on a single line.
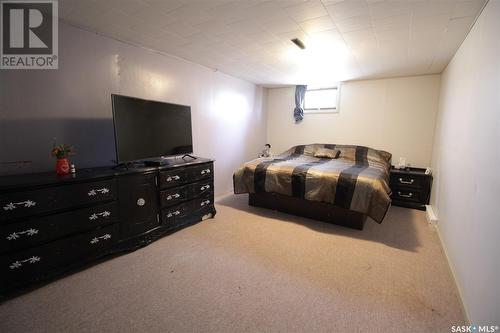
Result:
{"points": [[148, 130]]}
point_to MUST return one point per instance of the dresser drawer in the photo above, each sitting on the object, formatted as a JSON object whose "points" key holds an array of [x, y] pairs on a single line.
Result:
{"points": [[180, 194], [38, 230], [203, 171], [34, 263], [177, 214], [181, 176], [27, 203]]}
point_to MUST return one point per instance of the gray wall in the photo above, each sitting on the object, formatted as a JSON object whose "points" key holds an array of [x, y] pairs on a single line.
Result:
{"points": [[73, 104]]}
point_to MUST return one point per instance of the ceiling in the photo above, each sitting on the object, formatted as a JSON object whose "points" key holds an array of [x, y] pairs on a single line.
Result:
{"points": [[250, 39]]}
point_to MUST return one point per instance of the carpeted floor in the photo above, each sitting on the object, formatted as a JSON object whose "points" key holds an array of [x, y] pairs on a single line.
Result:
{"points": [[256, 270]]}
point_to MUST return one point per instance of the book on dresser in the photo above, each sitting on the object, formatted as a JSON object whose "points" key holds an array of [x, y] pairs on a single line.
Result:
{"points": [[51, 224]]}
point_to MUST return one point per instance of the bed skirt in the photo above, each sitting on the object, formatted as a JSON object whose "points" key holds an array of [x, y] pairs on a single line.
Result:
{"points": [[311, 209]]}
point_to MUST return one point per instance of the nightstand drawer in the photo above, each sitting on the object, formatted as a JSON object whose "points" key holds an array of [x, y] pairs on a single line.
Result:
{"points": [[409, 195], [407, 181]]}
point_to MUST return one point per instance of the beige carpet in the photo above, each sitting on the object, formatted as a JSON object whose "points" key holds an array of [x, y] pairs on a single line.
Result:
{"points": [[256, 270]]}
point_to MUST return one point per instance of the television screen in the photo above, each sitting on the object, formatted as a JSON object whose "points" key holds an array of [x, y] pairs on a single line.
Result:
{"points": [[148, 129]]}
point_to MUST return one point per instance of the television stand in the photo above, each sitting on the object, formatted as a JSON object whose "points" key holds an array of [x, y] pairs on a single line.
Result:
{"points": [[188, 155], [156, 162]]}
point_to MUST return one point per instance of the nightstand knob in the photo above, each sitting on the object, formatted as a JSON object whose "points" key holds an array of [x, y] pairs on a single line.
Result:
{"points": [[141, 202], [409, 182]]}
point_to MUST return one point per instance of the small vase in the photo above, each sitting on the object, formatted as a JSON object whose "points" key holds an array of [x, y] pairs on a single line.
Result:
{"points": [[62, 166]]}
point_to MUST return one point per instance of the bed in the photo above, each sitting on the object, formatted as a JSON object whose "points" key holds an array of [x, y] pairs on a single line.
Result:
{"points": [[343, 190]]}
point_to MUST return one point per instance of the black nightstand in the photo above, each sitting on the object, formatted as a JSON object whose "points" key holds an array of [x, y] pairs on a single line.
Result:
{"points": [[411, 187]]}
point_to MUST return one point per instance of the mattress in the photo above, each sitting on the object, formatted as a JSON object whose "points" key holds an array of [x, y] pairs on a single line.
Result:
{"points": [[357, 180]]}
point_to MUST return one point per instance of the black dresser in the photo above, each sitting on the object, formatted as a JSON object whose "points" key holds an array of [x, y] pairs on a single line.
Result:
{"points": [[51, 224], [410, 187]]}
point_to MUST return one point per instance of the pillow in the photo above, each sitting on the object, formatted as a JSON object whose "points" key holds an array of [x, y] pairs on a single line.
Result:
{"points": [[327, 153]]}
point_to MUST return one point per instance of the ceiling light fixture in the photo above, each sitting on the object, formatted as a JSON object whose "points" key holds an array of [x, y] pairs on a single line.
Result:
{"points": [[299, 43]]}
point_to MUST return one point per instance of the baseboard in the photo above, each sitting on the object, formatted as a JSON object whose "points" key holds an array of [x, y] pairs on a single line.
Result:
{"points": [[431, 215], [452, 271]]}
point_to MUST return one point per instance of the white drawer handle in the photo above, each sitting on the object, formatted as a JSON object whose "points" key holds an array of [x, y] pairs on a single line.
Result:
{"points": [[205, 171], [169, 179], [205, 202], [25, 204], [406, 182], [173, 196], [19, 263], [95, 216], [96, 240], [141, 202], [170, 214], [94, 192], [409, 195], [18, 234], [205, 187]]}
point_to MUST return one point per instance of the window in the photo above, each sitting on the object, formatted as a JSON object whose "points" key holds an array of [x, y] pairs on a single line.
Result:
{"points": [[322, 100]]}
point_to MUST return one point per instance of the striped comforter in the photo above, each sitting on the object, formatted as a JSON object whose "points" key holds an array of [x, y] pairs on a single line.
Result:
{"points": [[357, 180]]}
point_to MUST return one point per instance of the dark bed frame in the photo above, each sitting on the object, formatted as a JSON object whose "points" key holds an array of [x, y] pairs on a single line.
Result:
{"points": [[311, 209]]}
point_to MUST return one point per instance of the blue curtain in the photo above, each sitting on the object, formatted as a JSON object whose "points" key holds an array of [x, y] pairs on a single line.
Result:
{"points": [[298, 112]]}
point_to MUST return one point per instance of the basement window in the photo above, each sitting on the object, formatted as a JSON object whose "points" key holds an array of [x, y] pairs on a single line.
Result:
{"points": [[322, 100]]}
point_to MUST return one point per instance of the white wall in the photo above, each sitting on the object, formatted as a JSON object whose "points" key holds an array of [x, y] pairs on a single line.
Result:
{"points": [[74, 105], [396, 115], [466, 162]]}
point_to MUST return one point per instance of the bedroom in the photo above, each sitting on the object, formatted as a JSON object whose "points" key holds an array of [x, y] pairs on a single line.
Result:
{"points": [[410, 84]]}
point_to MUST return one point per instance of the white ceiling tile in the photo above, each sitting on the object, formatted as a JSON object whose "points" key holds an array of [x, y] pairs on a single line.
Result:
{"points": [[460, 26], [247, 27], [289, 3], [328, 36], [293, 34], [161, 5], [396, 22], [359, 37], [150, 15], [191, 13], [317, 24], [396, 36], [431, 36], [281, 26], [431, 22], [227, 12], [125, 6], [431, 8], [213, 27], [347, 9], [331, 2], [379, 10], [306, 10], [467, 8], [266, 12], [354, 23], [180, 28]]}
